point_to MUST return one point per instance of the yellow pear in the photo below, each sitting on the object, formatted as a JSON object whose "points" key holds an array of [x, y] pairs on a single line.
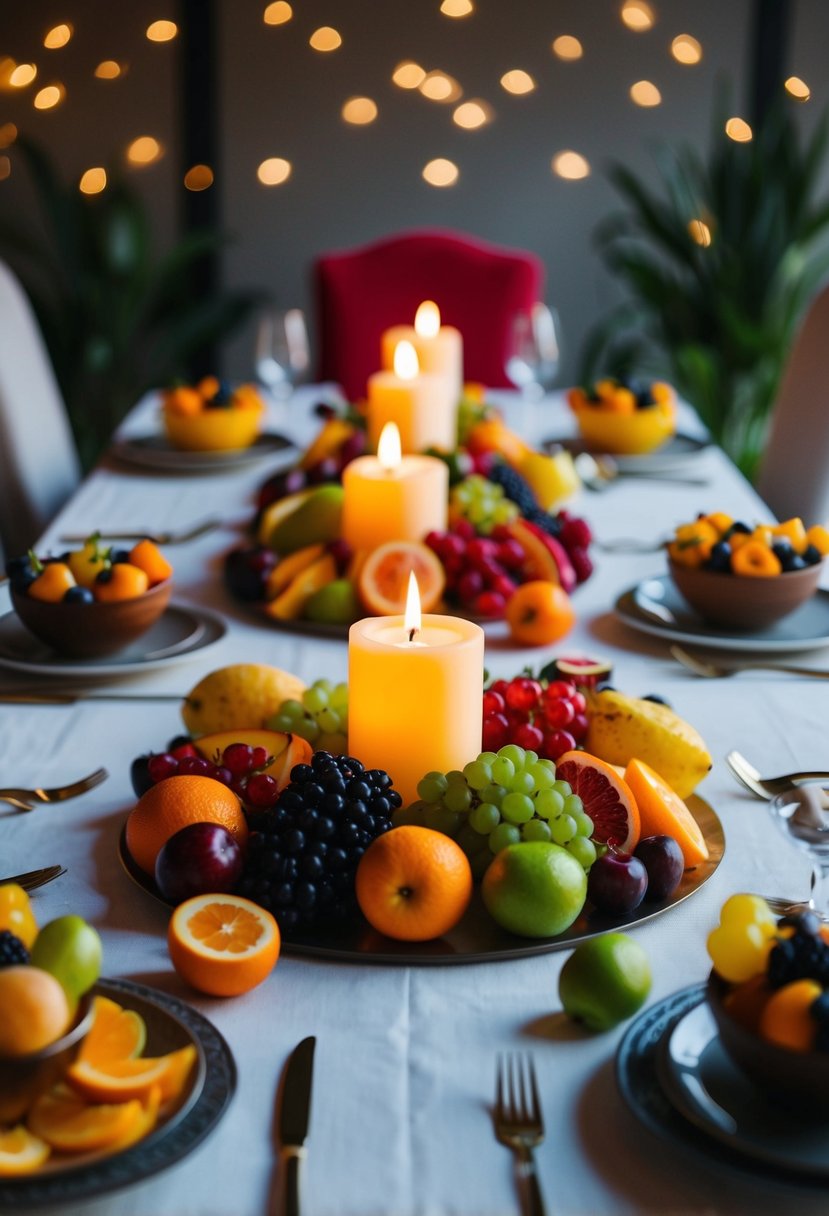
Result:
{"points": [[242, 696]]}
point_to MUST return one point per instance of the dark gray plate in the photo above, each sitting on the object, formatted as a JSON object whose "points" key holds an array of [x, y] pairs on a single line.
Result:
{"points": [[671, 456], [478, 939], [170, 1024], [155, 452]]}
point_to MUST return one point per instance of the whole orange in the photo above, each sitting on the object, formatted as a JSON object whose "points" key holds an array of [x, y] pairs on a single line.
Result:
{"points": [[539, 612], [413, 884], [175, 803]]}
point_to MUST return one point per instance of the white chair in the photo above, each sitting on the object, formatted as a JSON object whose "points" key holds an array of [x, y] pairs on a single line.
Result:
{"points": [[39, 466], [794, 475]]}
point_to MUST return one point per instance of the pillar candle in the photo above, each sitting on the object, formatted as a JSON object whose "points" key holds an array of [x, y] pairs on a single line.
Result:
{"points": [[424, 408], [439, 348]]}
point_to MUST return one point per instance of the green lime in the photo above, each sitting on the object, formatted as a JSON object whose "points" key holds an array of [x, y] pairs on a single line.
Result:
{"points": [[70, 950], [336, 603], [605, 980]]}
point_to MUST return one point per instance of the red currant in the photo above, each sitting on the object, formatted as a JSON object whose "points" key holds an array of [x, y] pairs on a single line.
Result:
{"points": [[578, 701], [259, 758], [493, 702], [556, 743], [510, 554], [489, 605], [223, 774], [523, 693], [560, 690], [495, 732], [559, 714], [186, 749], [161, 766], [528, 736], [469, 586], [237, 757], [578, 727], [499, 686]]}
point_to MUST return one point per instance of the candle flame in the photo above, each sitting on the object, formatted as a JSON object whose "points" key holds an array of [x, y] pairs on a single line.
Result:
{"points": [[427, 320], [406, 365], [388, 449], [411, 618]]}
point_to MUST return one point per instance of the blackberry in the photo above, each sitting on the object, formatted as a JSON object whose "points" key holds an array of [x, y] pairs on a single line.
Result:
{"points": [[803, 956], [12, 950], [304, 851], [515, 488]]}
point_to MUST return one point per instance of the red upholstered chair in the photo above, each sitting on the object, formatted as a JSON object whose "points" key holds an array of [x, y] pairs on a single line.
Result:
{"points": [[478, 287]]}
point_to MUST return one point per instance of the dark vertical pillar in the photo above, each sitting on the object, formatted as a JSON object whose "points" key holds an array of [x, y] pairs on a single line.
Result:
{"points": [[200, 144], [769, 55]]}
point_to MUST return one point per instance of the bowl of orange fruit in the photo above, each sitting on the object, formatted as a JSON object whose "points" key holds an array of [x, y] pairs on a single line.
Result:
{"points": [[624, 417], [212, 416], [746, 577], [93, 601]]}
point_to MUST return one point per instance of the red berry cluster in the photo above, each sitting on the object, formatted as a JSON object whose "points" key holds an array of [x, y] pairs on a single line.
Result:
{"points": [[550, 719], [240, 768], [576, 536], [481, 571]]}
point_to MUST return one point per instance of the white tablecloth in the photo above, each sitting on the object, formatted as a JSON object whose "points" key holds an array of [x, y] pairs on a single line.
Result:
{"points": [[405, 1055]]}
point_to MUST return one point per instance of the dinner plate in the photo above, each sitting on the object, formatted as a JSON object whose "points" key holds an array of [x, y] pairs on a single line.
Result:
{"points": [[673, 455], [171, 1024], [477, 938], [179, 633], [641, 606], [153, 451], [638, 1078]]}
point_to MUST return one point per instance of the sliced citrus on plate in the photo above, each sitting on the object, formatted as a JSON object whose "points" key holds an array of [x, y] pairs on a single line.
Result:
{"points": [[384, 577], [607, 799], [121, 1080], [223, 944], [66, 1121], [143, 1125], [662, 812], [21, 1152], [115, 1034]]}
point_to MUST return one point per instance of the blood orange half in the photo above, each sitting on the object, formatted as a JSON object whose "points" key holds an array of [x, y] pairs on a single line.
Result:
{"points": [[607, 799], [384, 578]]}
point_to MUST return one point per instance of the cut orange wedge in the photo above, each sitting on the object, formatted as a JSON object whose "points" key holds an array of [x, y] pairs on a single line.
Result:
{"points": [[143, 1125], [115, 1034], [223, 944], [68, 1123], [384, 577], [121, 1080], [663, 812], [21, 1152]]}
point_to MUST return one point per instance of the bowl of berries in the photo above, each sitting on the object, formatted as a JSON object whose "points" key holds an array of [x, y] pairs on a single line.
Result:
{"points": [[93, 601], [212, 416], [768, 993], [624, 417], [742, 577]]}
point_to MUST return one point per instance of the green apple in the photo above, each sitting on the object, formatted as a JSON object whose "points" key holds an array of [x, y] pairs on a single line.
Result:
{"points": [[70, 950], [336, 603], [605, 980], [316, 520], [534, 888]]}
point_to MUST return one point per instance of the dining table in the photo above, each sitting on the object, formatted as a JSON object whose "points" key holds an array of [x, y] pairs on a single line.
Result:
{"points": [[404, 1079]]}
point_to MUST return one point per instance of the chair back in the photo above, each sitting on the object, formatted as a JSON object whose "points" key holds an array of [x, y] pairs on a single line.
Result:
{"points": [[794, 476], [478, 287], [39, 465]]}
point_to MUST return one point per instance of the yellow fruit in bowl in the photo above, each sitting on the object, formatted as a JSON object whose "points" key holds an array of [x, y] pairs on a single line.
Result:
{"points": [[34, 1010], [610, 419], [211, 417]]}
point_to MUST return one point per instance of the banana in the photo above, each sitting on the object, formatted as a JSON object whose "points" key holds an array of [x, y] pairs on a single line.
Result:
{"points": [[621, 728]]}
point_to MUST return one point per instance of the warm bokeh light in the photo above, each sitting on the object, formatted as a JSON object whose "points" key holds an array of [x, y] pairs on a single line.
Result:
{"points": [[388, 447], [5, 168], [93, 181], [8, 134], [359, 111], [472, 114], [567, 47], [49, 97], [517, 81], [440, 172], [326, 38], [57, 36], [738, 130], [570, 165], [686, 49], [699, 231], [645, 93], [7, 66], [278, 13], [457, 8], [198, 177], [22, 75], [408, 75], [162, 31], [427, 320], [108, 69], [637, 15], [405, 361], [274, 171], [144, 150], [798, 88], [437, 86]]}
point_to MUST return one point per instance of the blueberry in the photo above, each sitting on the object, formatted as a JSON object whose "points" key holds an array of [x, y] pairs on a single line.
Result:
{"points": [[811, 555], [222, 398], [720, 557], [78, 595], [104, 576], [740, 527], [119, 557]]}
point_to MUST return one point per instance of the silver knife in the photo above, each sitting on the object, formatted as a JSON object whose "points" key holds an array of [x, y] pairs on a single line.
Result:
{"points": [[294, 1113]]}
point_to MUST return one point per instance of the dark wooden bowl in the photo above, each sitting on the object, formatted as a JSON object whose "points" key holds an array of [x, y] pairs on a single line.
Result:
{"points": [[92, 631], [24, 1078], [741, 602]]}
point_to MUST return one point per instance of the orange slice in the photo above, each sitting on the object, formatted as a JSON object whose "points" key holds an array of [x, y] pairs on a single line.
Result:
{"points": [[384, 577], [223, 944], [21, 1152], [115, 1034], [122, 1080], [607, 799], [662, 812], [68, 1123], [143, 1125]]}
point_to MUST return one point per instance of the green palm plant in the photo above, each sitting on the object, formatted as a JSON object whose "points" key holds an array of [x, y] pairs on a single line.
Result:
{"points": [[720, 258], [116, 318]]}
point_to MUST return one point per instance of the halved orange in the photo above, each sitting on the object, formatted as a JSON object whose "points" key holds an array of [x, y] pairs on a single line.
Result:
{"points": [[21, 1152], [67, 1122], [607, 799], [115, 1034], [121, 1080], [383, 581], [662, 812], [223, 944]]}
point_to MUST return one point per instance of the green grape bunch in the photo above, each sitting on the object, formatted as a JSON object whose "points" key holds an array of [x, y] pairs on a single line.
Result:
{"points": [[482, 502], [499, 799], [321, 717]]}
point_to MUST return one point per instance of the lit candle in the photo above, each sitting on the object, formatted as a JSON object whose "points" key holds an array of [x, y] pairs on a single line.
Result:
{"points": [[393, 497], [439, 348], [415, 693], [425, 408]]}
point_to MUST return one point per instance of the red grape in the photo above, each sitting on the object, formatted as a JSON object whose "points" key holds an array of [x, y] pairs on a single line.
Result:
{"points": [[523, 693]]}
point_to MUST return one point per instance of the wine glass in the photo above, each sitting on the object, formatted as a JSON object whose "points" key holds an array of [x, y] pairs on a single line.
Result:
{"points": [[282, 354], [802, 815], [533, 351]]}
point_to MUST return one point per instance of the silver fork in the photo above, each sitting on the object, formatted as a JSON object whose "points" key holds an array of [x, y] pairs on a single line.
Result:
{"points": [[768, 787], [28, 799], [158, 538], [518, 1120], [715, 671], [33, 879]]}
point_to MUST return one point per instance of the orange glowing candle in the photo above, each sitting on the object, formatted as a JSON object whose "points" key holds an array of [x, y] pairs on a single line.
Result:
{"points": [[414, 693], [424, 407], [393, 497], [439, 348]]}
